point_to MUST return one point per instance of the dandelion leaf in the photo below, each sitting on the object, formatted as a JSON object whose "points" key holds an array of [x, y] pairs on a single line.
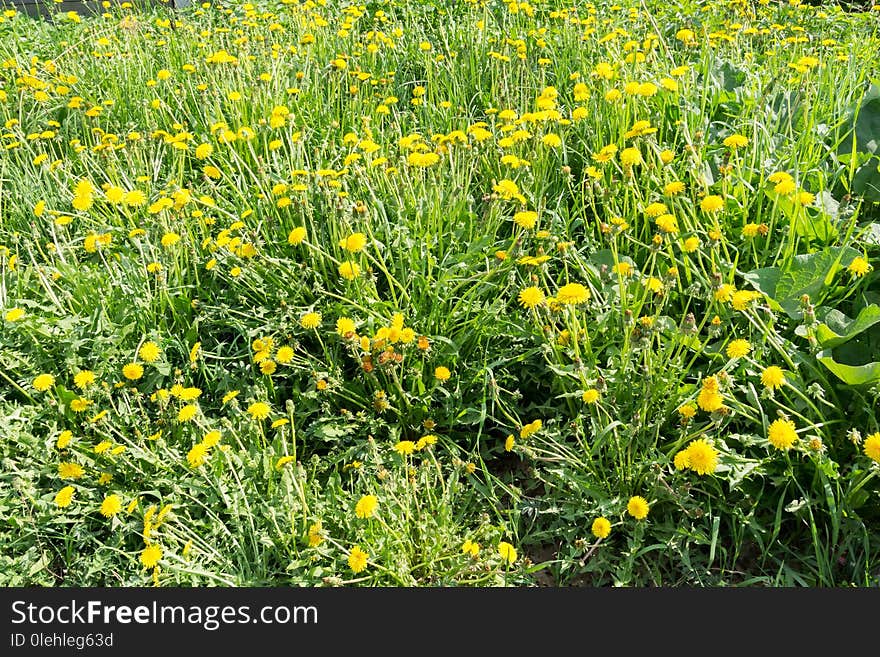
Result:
{"points": [[853, 375], [837, 328]]}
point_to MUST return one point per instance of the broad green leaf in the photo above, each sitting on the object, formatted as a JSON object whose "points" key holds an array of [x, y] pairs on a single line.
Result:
{"points": [[826, 203], [854, 375], [806, 274], [866, 182], [765, 280], [814, 225], [870, 234], [863, 124], [837, 328]]}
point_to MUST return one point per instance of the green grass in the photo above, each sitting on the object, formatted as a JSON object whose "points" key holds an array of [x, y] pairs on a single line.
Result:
{"points": [[317, 116]]}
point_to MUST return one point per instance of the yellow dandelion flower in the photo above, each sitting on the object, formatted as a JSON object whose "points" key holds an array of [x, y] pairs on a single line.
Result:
{"points": [[772, 377], [357, 559], [638, 507], [738, 348], [64, 497], [151, 555], [702, 458], [259, 410], [782, 434], [405, 447], [349, 270], [111, 505], [366, 506], [43, 382], [871, 447], [310, 320], [573, 293], [590, 396], [149, 352], [507, 552], [133, 371], [601, 527]]}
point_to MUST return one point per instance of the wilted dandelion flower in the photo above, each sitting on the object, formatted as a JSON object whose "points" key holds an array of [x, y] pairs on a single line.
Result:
{"points": [[531, 297], [507, 552], [366, 506], [702, 458], [64, 496], [738, 348], [773, 377], [111, 505], [601, 527], [357, 559], [133, 371], [638, 507], [782, 434]]}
